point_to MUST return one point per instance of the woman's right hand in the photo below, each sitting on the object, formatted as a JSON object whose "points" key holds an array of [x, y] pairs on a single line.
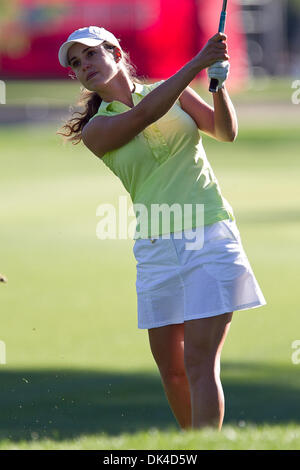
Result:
{"points": [[214, 50]]}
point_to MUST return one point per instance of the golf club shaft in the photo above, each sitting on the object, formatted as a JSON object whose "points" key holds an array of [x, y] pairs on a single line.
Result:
{"points": [[213, 87]]}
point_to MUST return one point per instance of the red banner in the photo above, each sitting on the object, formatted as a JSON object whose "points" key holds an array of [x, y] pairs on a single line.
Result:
{"points": [[160, 35]]}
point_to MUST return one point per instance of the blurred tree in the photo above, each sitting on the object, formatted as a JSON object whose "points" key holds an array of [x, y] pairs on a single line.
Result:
{"points": [[295, 4], [293, 33], [13, 41], [8, 10]]}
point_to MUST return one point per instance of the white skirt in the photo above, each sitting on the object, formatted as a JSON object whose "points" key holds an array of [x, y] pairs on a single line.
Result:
{"points": [[185, 278]]}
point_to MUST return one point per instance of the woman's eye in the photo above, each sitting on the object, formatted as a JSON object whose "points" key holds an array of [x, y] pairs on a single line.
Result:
{"points": [[76, 61]]}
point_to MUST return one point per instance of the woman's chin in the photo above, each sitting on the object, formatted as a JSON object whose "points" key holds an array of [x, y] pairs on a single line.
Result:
{"points": [[97, 85], [92, 87]]}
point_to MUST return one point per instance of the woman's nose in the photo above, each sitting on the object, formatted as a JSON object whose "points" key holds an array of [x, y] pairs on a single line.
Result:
{"points": [[85, 67]]}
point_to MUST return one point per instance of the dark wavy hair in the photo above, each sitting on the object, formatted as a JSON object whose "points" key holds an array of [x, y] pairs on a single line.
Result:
{"points": [[90, 102]]}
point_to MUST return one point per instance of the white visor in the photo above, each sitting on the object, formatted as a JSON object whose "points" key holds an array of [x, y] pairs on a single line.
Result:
{"points": [[90, 36]]}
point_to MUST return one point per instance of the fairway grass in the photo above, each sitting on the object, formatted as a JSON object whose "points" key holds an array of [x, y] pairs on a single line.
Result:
{"points": [[263, 437]]}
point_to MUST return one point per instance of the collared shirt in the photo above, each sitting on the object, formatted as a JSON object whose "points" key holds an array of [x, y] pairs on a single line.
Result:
{"points": [[165, 169]]}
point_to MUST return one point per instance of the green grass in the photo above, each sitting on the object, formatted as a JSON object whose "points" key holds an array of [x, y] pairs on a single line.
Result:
{"points": [[264, 437], [79, 373], [66, 405]]}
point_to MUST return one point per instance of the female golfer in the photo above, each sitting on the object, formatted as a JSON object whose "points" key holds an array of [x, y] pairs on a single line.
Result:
{"points": [[148, 135]]}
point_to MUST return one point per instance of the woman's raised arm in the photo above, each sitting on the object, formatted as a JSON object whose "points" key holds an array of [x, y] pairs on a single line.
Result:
{"points": [[105, 133]]}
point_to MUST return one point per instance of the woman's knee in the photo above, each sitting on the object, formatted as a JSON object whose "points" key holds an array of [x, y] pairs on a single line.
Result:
{"points": [[199, 362], [173, 377], [167, 347], [171, 368]]}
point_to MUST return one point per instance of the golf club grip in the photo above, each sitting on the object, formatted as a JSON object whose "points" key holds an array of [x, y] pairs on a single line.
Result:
{"points": [[213, 87], [214, 82]]}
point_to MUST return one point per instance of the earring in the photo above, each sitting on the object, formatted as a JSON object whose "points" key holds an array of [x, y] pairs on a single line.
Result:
{"points": [[118, 55]]}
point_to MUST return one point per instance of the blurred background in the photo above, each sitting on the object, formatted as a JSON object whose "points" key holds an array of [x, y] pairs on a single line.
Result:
{"points": [[76, 364], [161, 35]]}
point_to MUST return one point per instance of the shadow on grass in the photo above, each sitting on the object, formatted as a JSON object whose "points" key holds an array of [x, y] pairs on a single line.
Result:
{"points": [[65, 404]]}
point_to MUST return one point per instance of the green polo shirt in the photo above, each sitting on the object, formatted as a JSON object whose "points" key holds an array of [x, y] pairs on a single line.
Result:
{"points": [[166, 172]]}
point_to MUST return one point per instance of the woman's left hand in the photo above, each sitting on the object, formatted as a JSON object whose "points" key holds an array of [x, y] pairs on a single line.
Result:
{"points": [[220, 71]]}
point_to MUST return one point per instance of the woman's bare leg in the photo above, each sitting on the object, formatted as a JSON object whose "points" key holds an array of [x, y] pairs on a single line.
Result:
{"points": [[167, 346], [203, 340]]}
